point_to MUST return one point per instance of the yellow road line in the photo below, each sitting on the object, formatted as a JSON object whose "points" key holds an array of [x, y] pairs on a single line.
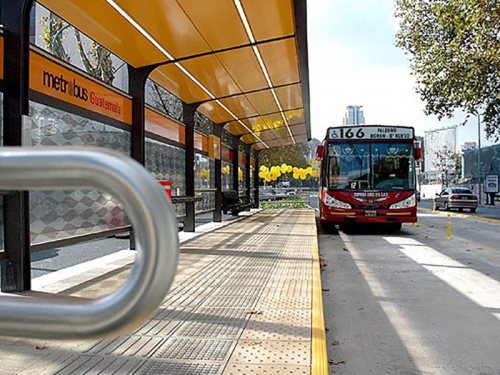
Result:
{"points": [[319, 353]]}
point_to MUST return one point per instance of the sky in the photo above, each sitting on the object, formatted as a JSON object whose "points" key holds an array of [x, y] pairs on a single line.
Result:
{"points": [[353, 60]]}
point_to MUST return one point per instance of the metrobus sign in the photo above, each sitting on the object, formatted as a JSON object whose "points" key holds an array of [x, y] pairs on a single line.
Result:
{"points": [[370, 132]]}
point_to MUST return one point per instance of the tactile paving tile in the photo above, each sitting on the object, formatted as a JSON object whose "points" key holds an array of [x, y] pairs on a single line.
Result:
{"points": [[277, 331], [138, 346], [172, 313], [216, 330], [158, 328], [291, 316], [195, 350], [231, 301], [98, 365], [285, 302], [159, 367], [219, 314], [272, 352], [232, 291], [248, 369]]}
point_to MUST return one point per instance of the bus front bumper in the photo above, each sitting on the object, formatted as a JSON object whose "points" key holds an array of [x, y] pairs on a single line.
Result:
{"points": [[340, 216]]}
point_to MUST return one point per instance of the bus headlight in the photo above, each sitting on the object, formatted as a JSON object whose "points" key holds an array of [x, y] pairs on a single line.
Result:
{"points": [[405, 203], [335, 203]]}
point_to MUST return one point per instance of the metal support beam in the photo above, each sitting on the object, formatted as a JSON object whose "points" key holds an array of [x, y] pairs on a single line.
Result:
{"points": [[188, 120], [217, 216], [256, 179], [247, 171], [235, 145], [137, 89], [15, 16]]}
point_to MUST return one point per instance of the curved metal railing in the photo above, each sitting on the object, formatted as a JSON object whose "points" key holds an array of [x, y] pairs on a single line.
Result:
{"points": [[155, 229]]}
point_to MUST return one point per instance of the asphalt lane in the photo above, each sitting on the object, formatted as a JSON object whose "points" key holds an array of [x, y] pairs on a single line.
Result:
{"points": [[414, 302]]}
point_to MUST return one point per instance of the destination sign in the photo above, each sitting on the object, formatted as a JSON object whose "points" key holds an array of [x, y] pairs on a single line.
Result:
{"points": [[371, 132]]}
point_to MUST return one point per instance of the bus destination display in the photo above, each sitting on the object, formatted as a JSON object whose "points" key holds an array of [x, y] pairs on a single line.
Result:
{"points": [[371, 132]]}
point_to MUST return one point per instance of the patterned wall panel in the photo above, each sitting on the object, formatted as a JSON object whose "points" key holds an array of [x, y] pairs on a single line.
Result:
{"points": [[59, 215], [167, 162]]}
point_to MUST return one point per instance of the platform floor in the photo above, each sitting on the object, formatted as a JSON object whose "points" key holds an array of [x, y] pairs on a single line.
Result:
{"points": [[246, 300]]}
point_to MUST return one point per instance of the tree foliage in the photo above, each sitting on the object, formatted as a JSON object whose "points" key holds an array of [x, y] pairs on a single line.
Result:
{"points": [[293, 155], [454, 49], [96, 60]]}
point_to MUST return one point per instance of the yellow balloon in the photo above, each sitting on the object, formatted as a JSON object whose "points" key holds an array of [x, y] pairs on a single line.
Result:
{"points": [[268, 179], [283, 168], [296, 176], [289, 168], [302, 176], [295, 169], [314, 174], [262, 175], [309, 170]]}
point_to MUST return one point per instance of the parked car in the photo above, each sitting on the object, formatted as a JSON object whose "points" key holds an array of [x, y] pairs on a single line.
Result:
{"points": [[456, 198]]}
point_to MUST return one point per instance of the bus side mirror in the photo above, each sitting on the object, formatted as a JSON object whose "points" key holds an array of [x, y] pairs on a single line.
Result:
{"points": [[418, 153], [320, 150]]}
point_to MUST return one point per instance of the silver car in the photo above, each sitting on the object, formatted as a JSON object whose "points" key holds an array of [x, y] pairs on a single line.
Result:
{"points": [[456, 198]]}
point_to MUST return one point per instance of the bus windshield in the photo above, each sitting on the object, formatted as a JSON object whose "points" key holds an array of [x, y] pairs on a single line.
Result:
{"points": [[372, 166]]}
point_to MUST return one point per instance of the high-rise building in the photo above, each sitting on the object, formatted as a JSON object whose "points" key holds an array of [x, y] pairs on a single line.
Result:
{"points": [[354, 115]]}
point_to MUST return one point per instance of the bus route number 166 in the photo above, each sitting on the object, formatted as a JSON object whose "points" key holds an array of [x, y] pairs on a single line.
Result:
{"points": [[347, 133]]}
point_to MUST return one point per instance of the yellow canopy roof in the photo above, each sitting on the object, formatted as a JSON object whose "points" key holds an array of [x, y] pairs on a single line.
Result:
{"points": [[242, 62]]}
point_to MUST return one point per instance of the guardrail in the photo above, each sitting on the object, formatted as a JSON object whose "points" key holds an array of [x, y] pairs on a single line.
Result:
{"points": [[155, 228]]}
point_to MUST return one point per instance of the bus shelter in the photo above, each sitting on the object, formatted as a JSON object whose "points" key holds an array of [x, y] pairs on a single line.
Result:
{"points": [[240, 65]]}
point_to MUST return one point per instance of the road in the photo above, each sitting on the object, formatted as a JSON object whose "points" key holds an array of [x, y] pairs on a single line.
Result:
{"points": [[415, 302]]}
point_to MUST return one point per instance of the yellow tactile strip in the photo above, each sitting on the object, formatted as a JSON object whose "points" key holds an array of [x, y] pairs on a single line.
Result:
{"points": [[319, 363]]}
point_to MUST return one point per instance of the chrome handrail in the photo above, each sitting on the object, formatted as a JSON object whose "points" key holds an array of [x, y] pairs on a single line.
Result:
{"points": [[155, 229]]}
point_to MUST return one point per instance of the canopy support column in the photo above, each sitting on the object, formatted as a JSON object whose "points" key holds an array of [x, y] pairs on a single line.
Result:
{"points": [[235, 145], [217, 215], [16, 268], [188, 120], [247, 171], [137, 89], [256, 179]]}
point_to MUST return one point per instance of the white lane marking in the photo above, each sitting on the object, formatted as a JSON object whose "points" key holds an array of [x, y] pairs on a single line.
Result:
{"points": [[423, 358], [478, 287]]}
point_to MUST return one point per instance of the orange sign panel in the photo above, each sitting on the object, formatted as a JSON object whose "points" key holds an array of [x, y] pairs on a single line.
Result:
{"points": [[213, 147], [200, 142], [164, 127], [50, 78]]}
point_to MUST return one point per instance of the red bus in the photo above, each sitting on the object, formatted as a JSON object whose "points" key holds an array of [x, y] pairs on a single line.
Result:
{"points": [[368, 175]]}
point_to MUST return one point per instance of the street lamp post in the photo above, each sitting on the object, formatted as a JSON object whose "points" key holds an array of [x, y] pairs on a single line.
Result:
{"points": [[479, 154]]}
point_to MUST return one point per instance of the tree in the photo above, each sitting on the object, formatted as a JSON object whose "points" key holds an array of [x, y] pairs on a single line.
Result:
{"points": [[454, 49], [293, 155], [448, 164], [97, 60]]}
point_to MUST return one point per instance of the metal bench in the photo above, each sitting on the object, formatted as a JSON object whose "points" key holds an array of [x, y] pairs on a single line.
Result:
{"points": [[234, 203]]}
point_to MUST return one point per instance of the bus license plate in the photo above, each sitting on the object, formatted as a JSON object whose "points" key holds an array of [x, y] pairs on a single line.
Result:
{"points": [[370, 213]]}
